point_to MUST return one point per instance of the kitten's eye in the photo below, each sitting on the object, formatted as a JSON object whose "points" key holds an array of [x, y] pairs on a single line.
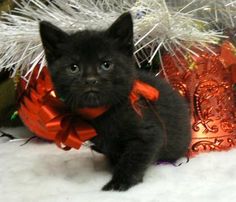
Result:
{"points": [[106, 66], [73, 69]]}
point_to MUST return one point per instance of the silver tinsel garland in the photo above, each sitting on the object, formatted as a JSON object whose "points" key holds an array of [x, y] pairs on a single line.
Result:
{"points": [[158, 24], [220, 14]]}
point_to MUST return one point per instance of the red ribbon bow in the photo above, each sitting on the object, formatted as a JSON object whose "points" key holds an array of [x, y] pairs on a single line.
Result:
{"points": [[45, 115]]}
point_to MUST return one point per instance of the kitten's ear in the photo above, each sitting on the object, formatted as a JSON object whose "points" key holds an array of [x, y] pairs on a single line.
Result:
{"points": [[51, 36], [122, 31]]}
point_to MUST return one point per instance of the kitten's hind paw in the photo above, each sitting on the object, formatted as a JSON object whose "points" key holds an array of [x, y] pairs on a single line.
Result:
{"points": [[120, 185]]}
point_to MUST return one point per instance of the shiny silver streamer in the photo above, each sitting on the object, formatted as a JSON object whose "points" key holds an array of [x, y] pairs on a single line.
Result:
{"points": [[220, 14], [157, 24]]}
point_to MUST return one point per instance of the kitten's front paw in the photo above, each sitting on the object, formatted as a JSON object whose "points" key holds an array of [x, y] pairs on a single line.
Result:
{"points": [[120, 184]]}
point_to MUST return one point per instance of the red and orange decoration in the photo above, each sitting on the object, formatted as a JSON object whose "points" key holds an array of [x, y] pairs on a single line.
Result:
{"points": [[208, 82]]}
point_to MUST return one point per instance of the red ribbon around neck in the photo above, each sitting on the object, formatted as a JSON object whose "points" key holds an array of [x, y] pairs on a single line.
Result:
{"points": [[47, 116], [141, 89]]}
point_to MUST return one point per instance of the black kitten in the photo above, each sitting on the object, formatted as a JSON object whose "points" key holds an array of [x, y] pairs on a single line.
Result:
{"points": [[96, 68]]}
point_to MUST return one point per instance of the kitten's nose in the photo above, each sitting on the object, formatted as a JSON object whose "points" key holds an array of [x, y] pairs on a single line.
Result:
{"points": [[91, 81]]}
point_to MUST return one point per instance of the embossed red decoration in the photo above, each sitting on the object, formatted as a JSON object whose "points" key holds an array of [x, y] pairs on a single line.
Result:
{"points": [[207, 82]]}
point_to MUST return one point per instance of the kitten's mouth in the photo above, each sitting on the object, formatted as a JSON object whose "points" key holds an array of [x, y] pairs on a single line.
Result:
{"points": [[91, 98], [91, 90], [91, 93]]}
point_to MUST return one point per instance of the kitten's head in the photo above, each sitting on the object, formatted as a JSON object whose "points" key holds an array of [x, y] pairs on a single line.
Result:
{"points": [[91, 68]]}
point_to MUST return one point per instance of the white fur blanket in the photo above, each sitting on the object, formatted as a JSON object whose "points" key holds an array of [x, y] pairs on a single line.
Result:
{"points": [[40, 172]]}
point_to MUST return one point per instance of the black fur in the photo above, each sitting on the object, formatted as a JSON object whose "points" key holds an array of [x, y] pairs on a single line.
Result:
{"points": [[130, 142]]}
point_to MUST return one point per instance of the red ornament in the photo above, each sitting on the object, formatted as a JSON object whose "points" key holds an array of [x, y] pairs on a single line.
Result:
{"points": [[208, 83], [47, 116]]}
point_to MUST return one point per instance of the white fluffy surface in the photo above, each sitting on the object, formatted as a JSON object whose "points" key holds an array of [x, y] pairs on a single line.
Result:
{"points": [[40, 172]]}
